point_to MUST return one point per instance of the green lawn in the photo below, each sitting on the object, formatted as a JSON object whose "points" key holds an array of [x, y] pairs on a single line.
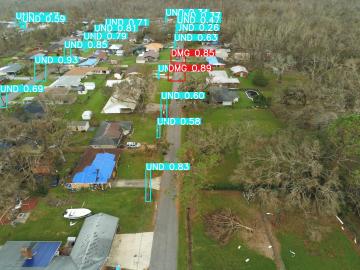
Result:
{"points": [[128, 60], [334, 252], [47, 223], [81, 138], [164, 54], [132, 164], [163, 86], [208, 253], [264, 121]]}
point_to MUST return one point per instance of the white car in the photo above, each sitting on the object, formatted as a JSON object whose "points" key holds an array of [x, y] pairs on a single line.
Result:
{"points": [[133, 145]]}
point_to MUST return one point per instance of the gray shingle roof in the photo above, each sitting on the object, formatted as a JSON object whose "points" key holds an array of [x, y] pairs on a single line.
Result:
{"points": [[222, 95]]}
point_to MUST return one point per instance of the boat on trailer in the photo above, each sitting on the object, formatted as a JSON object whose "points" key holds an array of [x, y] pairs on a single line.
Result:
{"points": [[77, 213]]}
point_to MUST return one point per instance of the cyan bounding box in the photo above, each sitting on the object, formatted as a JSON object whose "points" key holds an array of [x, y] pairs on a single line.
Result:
{"points": [[22, 88], [40, 17], [178, 121], [56, 60], [132, 21], [200, 17], [105, 35], [202, 27], [183, 95], [86, 44], [175, 12], [4, 100], [196, 37], [115, 27], [167, 166]]}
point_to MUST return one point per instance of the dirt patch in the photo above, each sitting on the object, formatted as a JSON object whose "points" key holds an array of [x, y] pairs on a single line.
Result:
{"points": [[59, 202], [258, 240]]}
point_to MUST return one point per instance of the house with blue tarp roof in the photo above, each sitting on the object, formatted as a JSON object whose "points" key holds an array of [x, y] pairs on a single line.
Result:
{"points": [[98, 172], [90, 62], [215, 61]]}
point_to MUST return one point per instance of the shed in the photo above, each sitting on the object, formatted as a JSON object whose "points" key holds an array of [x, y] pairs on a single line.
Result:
{"points": [[86, 115], [240, 71], [89, 85]]}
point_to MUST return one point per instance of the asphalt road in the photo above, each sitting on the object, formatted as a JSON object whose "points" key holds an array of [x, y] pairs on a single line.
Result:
{"points": [[165, 243]]}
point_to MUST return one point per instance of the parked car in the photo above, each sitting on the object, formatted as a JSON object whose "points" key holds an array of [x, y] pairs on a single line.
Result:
{"points": [[133, 145]]}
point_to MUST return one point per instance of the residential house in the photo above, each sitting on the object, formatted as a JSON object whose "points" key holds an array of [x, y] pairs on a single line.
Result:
{"points": [[90, 62], [151, 56], [45, 173], [67, 81], [72, 78], [220, 78], [242, 56], [11, 69], [157, 47], [240, 71], [34, 109], [114, 47], [125, 99], [32, 58], [57, 96], [100, 55], [79, 125], [223, 96], [108, 135], [215, 61], [89, 252]]}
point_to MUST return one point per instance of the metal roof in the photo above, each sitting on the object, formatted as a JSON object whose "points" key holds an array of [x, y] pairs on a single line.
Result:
{"points": [[11, 68], [90, 251], [94, 241]]}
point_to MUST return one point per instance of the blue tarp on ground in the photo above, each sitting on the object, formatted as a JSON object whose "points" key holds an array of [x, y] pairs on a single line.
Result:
{"points": [[89, 62], [99, 172], [43, 253]]}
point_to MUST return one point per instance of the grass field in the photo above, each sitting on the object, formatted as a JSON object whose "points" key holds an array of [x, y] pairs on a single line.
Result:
{"points": [[334, 252], [163, 86], [132, 164], [209, 254], [47, 223]]}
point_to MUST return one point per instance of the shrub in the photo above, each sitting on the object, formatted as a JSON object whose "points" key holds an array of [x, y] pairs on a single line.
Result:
{"points": [[259, 79], [261, 101]]}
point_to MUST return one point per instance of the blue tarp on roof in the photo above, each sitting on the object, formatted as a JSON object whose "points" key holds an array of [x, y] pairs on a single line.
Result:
{"points": [[89, 62], [213, 60], [43, 253], [99, 172]]}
